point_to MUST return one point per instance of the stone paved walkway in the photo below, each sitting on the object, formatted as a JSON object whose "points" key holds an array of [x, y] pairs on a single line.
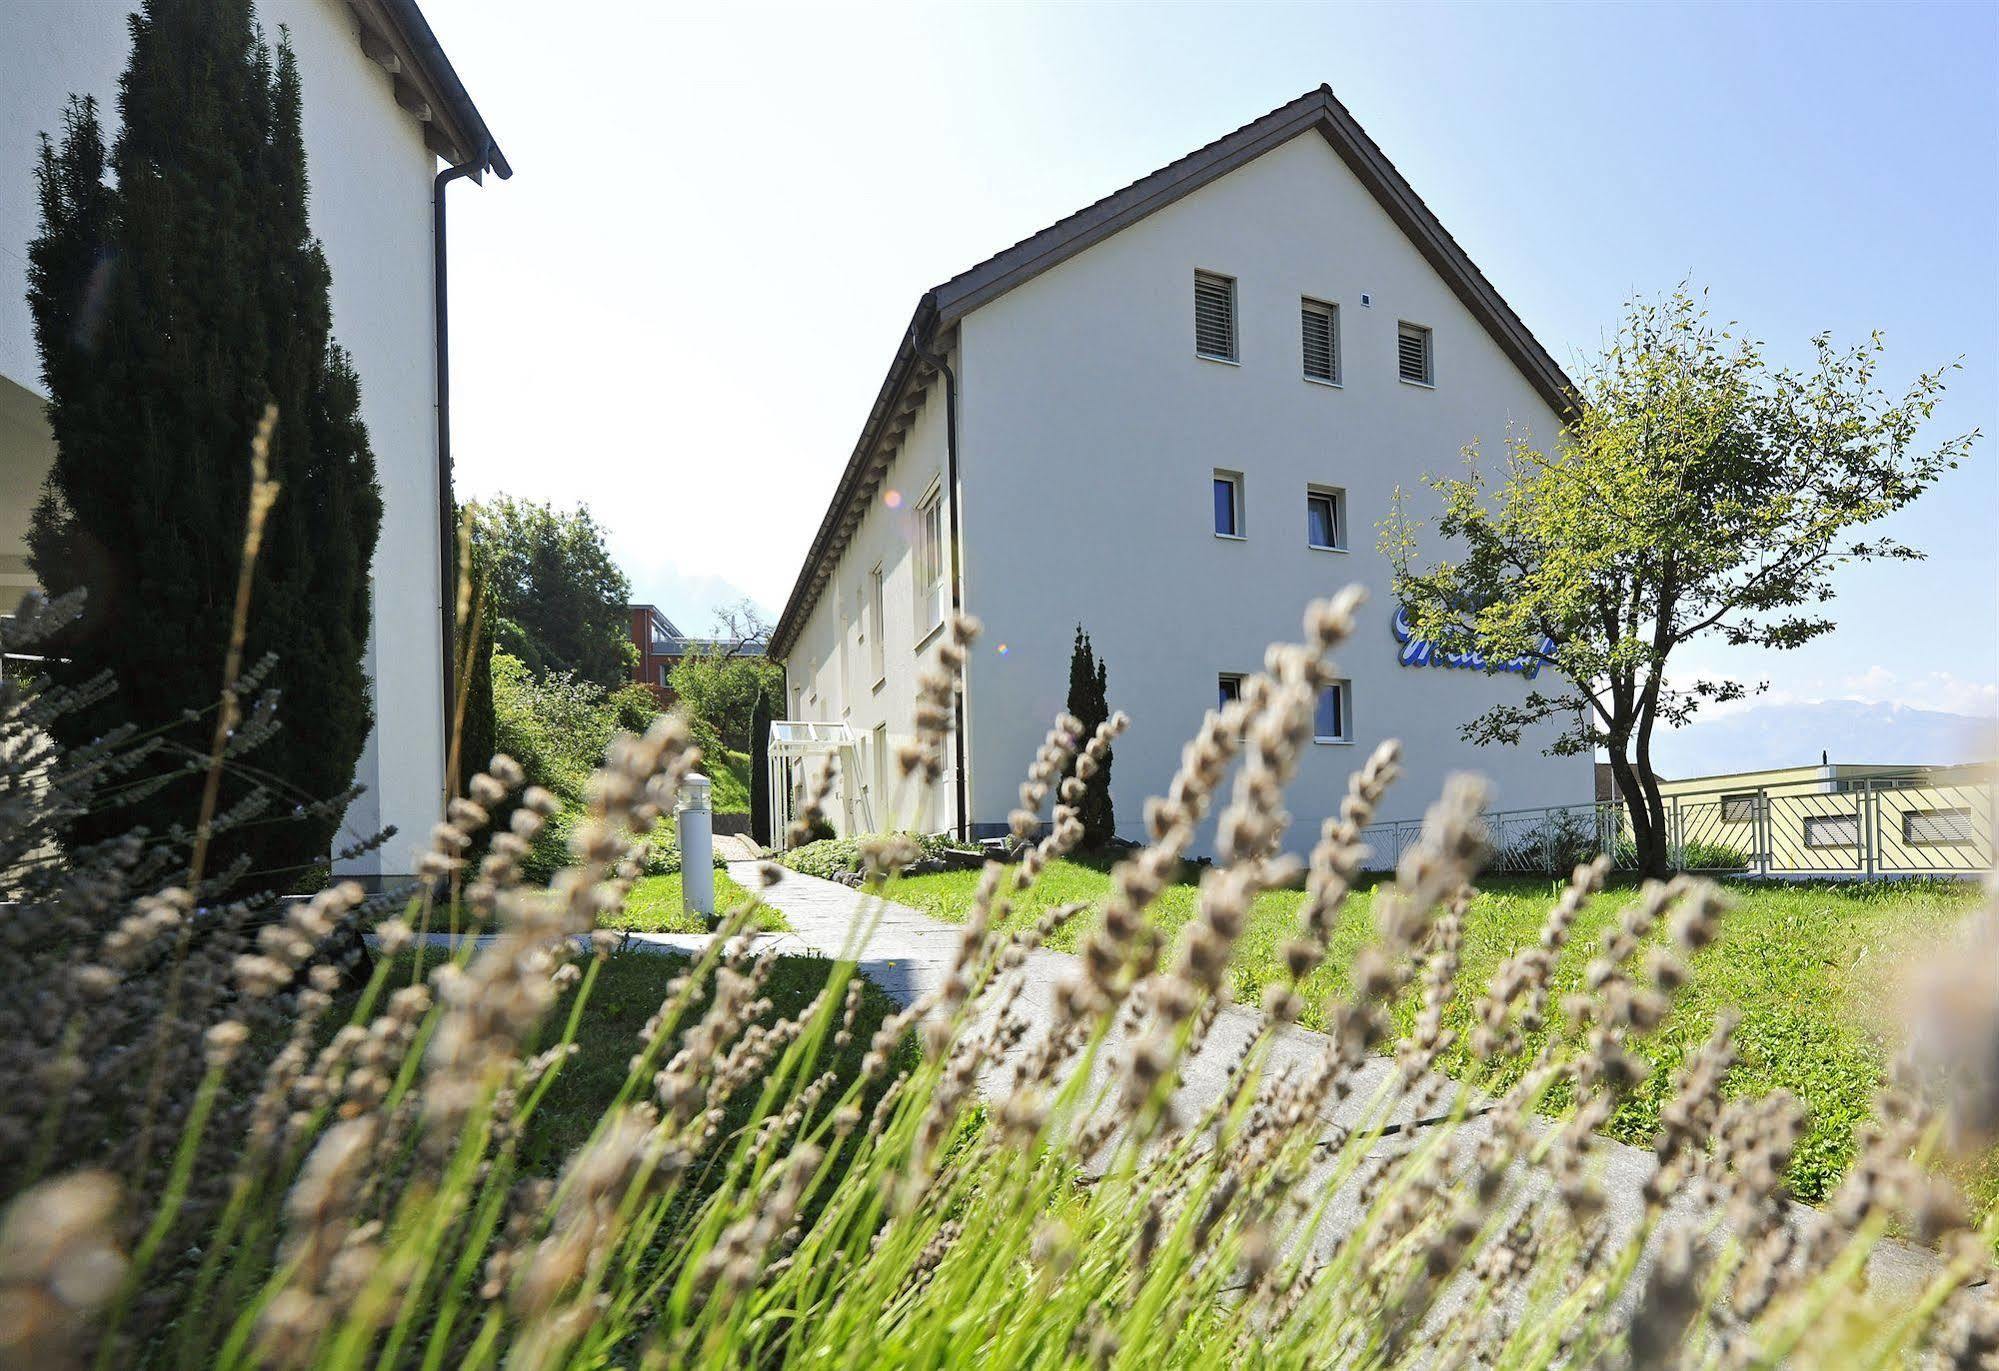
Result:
{"points": [[908, 953]]}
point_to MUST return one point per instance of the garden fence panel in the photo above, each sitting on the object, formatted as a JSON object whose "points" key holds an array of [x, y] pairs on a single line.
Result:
{"points": [[1857, 828]]}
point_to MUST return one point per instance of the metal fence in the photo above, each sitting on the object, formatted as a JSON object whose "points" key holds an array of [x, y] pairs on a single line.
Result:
{"points": [[1852, 828]]}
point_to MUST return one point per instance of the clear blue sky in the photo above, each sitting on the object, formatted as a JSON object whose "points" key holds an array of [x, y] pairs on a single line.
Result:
{"points": [[680, 308]]}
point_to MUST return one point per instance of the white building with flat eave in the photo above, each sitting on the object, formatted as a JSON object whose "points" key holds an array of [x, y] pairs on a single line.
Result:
{"points": [[1173, 418], [387, 126]]}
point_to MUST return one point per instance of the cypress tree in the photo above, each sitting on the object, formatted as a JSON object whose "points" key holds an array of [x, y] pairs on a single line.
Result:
{"points": [[172, 303], [1089, 701], [760, 770], [476, 739]]}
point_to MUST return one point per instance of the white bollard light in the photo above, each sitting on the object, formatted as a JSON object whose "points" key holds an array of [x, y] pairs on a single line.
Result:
{"points": [[695, 823]]}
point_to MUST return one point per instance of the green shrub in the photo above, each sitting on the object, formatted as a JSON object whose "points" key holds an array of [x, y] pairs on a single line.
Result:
{"points": [[1698, 855], [830, 857], [1561, 842], [557, 727]]}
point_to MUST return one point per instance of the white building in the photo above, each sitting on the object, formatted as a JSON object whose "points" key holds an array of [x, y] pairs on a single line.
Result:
{"points": [[383, 107], [1174, 417]]}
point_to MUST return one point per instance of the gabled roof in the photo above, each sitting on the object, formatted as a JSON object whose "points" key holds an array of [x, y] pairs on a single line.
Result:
{"points": [[944, 305]]}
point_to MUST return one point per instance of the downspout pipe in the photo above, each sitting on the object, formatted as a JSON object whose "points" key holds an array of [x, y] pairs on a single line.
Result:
{"points": [[447, 521], [940, 361]]}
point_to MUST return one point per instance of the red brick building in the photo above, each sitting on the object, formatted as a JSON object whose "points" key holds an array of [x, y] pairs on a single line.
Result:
{"points": [[661, 645]]}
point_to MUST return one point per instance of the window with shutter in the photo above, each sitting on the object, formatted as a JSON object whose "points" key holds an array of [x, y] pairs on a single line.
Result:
{"points": [[1412, 354], [1214, 316], [1937, 827], [1320, 335]]}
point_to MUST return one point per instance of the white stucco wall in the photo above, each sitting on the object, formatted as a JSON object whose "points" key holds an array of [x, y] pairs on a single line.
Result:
{"points": [[817, 688], [371, 178], [1089, 435]]}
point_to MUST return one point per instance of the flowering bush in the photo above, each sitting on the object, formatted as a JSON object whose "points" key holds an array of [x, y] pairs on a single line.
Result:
{"points": [[1029, 1189]]}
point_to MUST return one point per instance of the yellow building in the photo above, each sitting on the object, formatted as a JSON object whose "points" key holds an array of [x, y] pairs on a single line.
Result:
{"points": [[1835, 819]]}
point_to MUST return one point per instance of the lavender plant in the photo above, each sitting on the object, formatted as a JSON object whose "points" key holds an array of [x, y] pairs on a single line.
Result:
{"points": [[1048, 1186]]}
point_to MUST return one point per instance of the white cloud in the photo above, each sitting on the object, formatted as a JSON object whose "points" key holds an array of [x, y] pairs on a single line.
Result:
{"points": [[1942, 691], [1939, 690]]}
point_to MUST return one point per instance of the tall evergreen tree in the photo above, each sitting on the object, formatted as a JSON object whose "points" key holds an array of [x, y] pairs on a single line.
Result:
{"points": [[760, 771], [473, 673], [1089, 701], [172, 301]]}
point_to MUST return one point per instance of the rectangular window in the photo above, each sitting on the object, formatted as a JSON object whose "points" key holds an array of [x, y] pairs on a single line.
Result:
{"points": [[930, 562], [1832, 830], [1214, 316], [877, 628], [1320, 325], [1937, 827], [1334, 721], [1325, 517], [1229, 687], [1738, 809], [1228, 504], [879, 746], [1412, 355], [846, 659]]}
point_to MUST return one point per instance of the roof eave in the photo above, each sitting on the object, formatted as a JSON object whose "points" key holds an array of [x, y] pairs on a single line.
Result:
{"points": [[395, 34], [904, 371]]}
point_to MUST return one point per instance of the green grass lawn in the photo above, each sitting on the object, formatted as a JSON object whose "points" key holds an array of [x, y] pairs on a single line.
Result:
{"points": [[654, 907], [628, 990], [1812, 968], [626, 995]]}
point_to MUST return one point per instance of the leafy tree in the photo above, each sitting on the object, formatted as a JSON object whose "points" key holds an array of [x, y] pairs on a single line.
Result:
{"points": [[560, 604], [721, 682], [1089, 701], [1700, 492], [176, 291]]}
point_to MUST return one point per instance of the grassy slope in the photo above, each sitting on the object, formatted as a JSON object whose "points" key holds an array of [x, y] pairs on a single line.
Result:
{"points": [[730, 772], [1812, 969], [654, 907]]}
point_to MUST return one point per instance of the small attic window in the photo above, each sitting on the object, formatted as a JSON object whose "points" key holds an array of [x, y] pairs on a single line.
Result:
{"points": [[1320, 340], [1214, 316], [1412, 355]]}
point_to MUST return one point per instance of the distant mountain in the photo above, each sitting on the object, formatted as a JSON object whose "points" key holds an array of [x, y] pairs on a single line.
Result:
{"points": [[1852, 731]]}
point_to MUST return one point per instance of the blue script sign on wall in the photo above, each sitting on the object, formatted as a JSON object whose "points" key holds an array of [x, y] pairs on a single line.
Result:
{"points": [[1421, 652]]}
